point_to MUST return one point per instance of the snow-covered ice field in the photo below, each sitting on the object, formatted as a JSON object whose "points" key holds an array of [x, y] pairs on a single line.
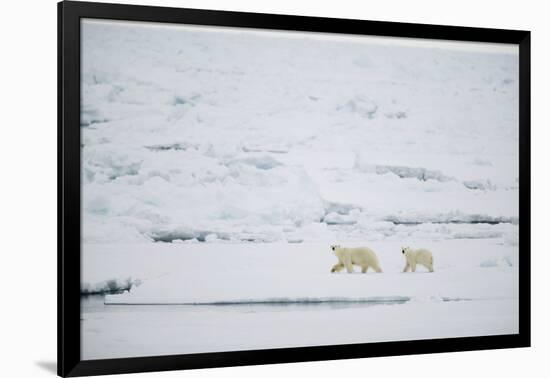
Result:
{"points": [[203, 298], [219, 165]]}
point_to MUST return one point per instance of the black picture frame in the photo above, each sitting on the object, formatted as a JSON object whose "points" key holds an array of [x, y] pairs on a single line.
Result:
{"points": [[69, 223]]}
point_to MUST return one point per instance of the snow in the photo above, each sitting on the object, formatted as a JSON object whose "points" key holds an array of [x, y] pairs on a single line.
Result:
{"points": [[131, 331], [195, 298], [254, 136], [200, 273], [111, 286], [218, 167]]}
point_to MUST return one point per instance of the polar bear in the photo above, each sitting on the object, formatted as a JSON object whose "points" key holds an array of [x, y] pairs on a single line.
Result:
{"points": [[362, 256], [417, 256]]}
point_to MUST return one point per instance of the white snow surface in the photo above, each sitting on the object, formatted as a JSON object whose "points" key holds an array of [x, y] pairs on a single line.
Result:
{"points": [[248, 137], [300, 273], [133, 331], [204, 297]]}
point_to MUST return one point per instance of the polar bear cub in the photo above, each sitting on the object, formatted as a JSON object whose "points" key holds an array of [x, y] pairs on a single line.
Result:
{"points": [[417, 256], [362, 256]]}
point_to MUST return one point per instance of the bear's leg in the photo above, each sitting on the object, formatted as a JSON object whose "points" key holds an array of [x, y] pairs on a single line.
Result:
{"points": [[427, 266], [407, 266], [348, 264], [413, 266], [377, 269], [364, 268], [336, 268]]}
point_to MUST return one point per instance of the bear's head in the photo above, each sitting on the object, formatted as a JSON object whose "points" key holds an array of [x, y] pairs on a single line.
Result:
{"points": [[334, 247], [404, 249]]}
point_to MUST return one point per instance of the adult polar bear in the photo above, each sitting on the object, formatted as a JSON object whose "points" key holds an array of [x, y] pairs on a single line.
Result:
{"points": [[417, 256], [362, 256]]}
